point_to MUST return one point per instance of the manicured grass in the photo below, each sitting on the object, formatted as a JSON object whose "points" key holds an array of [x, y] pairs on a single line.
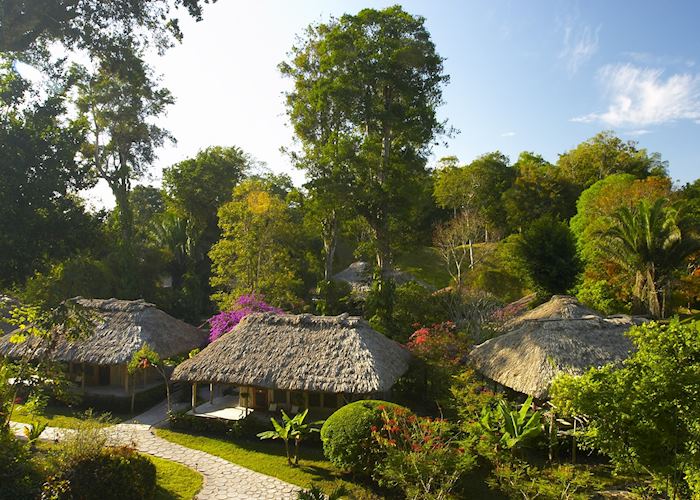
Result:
{"points": [[267, 457], [61, 416], [175, 481]]}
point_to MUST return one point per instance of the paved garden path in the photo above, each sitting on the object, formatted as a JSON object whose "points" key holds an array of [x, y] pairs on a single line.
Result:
{"points": [[223, 480]]}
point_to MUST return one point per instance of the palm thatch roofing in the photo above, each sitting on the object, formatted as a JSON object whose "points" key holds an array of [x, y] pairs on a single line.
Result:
{"points": [[558, 307], [121, 329], [6, 306], [337, 354], [560, 336], [359, 276]]}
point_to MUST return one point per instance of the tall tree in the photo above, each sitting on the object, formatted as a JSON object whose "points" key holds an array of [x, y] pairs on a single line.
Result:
{"points": [[538, 189], [253, 254], [477, 188], [606, 154], [369, 84], [41, 217], [118, 102], [89, 24], [198, 186], [547, 253]]}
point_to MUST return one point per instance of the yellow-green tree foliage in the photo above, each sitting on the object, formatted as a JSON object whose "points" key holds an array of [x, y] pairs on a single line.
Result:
{"points": [[253, 254]]}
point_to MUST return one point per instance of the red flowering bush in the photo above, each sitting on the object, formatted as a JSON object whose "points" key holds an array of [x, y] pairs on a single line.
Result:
{"points": [[423, 456], [442, 351], [440, 342]]}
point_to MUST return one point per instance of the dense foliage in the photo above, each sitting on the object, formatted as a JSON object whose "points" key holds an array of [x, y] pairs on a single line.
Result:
{"points": [[644, 415], [114, 473]]}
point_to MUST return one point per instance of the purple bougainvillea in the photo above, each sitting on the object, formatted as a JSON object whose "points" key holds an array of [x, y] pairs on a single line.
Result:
{"points": [[245, 304]]}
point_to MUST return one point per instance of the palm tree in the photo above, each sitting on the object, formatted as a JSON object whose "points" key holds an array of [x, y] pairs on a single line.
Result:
{"points": [[180, 238], [651, 241]]}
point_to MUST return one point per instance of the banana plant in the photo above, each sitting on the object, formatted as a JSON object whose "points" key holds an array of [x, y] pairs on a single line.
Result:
{"points": [[520, 425], [515, 426], [33, 432], [291, 429]]}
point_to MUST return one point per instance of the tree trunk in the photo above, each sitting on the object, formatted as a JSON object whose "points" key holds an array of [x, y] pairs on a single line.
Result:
{"points": [[286, 449], [471, 254], [381, 228], [652, 295], [383, 249], [167, 392], [330, 241]]}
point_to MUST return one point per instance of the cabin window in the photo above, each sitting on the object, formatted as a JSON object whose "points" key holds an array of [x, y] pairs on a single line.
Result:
{"points": [[314, 400]]}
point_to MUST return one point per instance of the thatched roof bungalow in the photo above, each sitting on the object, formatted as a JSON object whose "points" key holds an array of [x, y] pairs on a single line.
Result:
{"points": [[98, 363], [299, 361], [359, 276], [560, 336]]}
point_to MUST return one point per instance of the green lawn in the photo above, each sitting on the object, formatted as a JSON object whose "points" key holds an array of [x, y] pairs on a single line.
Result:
{"points": [[425, 264], [267, 457], [175, 481], [61, 416]]}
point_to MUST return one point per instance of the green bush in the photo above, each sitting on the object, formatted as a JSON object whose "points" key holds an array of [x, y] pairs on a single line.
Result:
{"points": [[116, 473], [17, 477], [347, 435]]}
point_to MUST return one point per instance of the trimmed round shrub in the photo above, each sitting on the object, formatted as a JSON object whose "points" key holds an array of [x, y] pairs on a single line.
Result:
{"points": [[116, 473], [347, 435]]}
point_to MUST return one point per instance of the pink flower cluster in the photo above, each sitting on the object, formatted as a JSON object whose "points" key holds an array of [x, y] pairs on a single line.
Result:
{"points": [[225, 321]]}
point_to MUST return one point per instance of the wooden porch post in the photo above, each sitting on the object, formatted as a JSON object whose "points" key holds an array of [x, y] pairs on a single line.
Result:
{"points": [[82, 378], [306, 400], [194, 397], [126, 380], [211, 393]]}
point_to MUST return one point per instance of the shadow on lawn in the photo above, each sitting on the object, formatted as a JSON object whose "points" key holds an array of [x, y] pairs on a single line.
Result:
{"points": [[163, 494]]}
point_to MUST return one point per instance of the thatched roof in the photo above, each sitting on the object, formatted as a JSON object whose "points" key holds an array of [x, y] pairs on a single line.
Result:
{"points": [[6, 305], [558, 307], [359, 276], [339, 354], [124, 328], [557, 337]]}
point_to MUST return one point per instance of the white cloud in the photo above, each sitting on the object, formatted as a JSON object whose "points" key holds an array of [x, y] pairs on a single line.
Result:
{"points": [[641, 131], [579, 46], [650, 59], [639, 97], [508, 134]]}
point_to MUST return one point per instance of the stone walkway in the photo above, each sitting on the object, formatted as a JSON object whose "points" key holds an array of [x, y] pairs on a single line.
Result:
{"points": [[223, 480]]}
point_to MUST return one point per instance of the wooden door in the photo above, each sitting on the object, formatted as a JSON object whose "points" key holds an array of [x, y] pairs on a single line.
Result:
{"points": [[104, 375], [260, 398]]}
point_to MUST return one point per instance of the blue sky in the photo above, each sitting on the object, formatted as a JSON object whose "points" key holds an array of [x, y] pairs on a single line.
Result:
{"points": [[539, 76]]}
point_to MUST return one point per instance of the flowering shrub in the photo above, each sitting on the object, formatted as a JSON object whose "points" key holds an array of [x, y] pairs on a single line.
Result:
{"points": [[423, 457], [442, 352], [246, 304], [440, 342]]}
